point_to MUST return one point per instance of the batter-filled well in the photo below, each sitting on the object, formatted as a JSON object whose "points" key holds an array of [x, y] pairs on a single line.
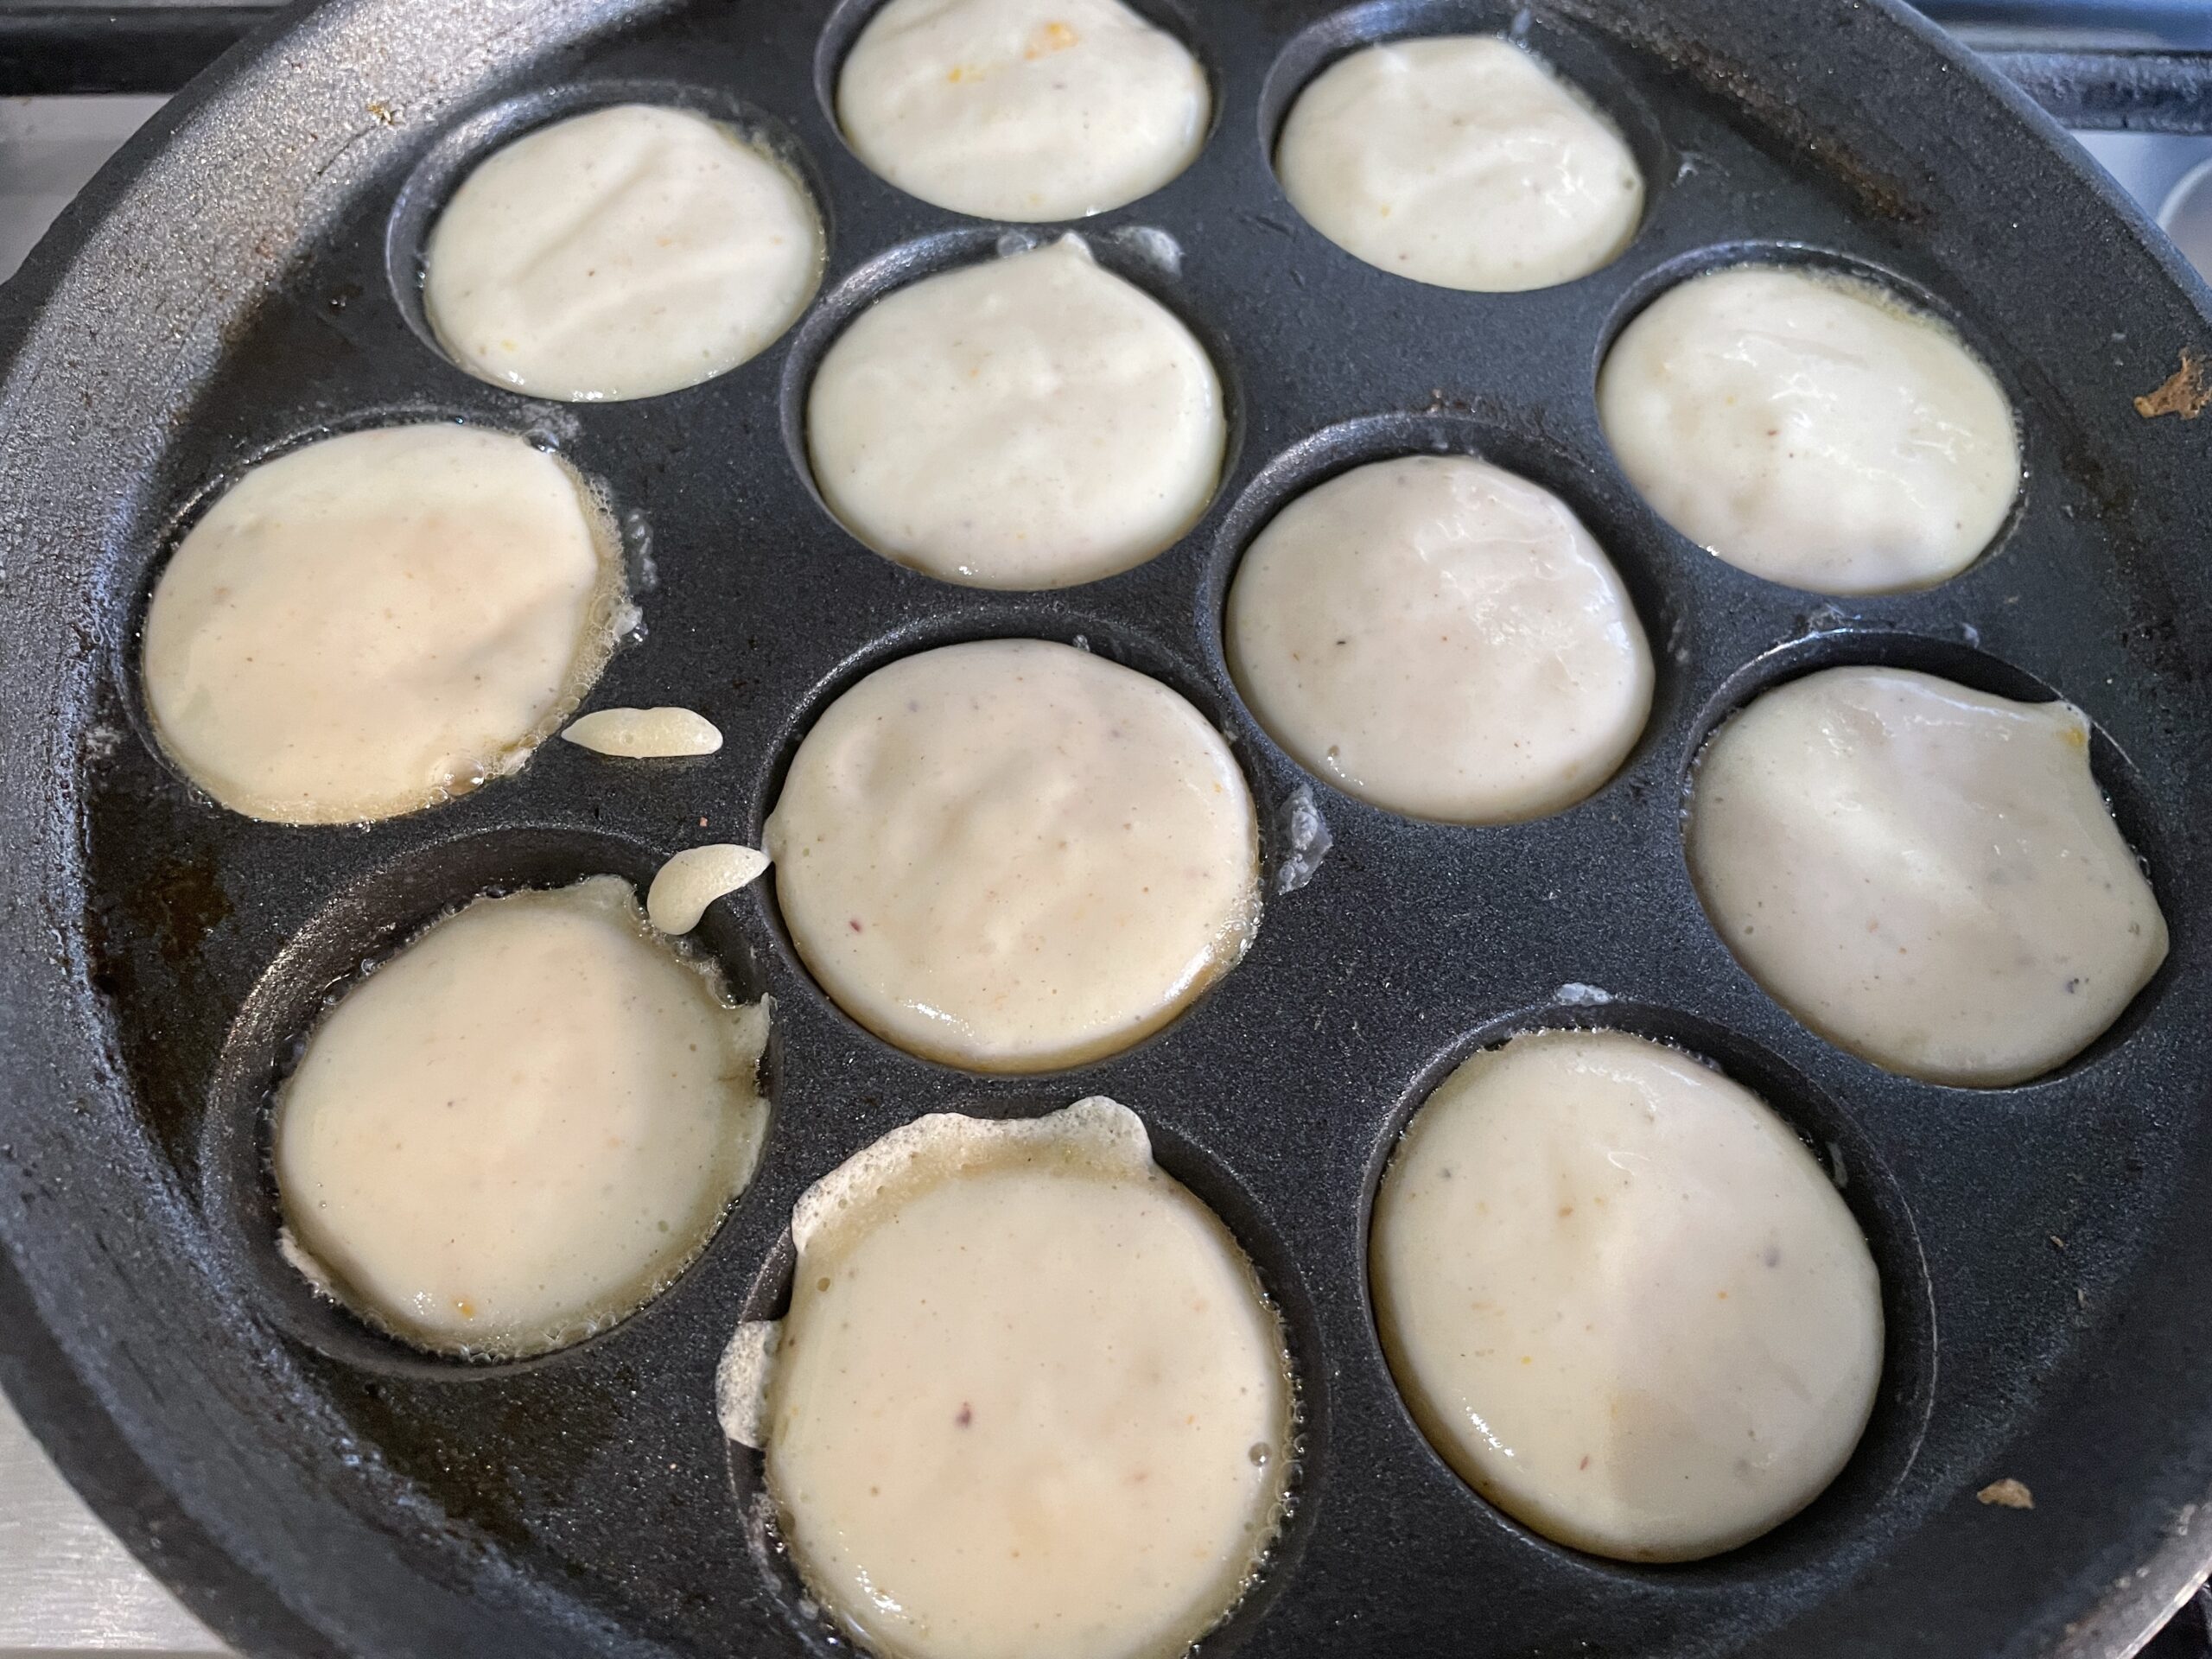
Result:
{"points": [[1462, 162], [1813, 430], [1028, 1399], [1441, 638], [1023, 110], [521, 1127], [1622, 1298], [622, 253], [1926, 874], [1014, 855], [379, 621], [1029, 421]]}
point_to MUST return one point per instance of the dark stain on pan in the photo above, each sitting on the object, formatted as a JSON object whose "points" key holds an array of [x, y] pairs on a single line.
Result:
{"points": [[157, 923], [2113, 514], [1880, 193], [537, 1433]]}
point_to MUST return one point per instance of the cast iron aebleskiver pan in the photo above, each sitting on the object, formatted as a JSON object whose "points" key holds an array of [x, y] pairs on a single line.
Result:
{"points": [[238, 280]]}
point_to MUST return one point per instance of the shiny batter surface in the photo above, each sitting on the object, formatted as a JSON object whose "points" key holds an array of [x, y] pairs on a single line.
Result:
{"points": [[1812, 430], [1023, 110], [645, 734], [1442, 638], [1622, 1298], [1460, 161], [1029, 421], [1028, 1398], [1014, 855], [521, 1127], [1926, 874], [693, 878], [378, 621]]}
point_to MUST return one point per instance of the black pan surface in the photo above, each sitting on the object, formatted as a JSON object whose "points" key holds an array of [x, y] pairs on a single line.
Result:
{"points": [[242, 278]]}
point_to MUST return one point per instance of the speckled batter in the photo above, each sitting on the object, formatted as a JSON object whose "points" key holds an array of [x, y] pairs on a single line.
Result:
{"points": [[378, 621], [1460, 161], [520, 1128], [1811, 428], [1925, 874], [1014, 855], [1030, 422], [622, 253], [1623, 1298], [1028, 1398], [1023, 110], [1441, 638]]}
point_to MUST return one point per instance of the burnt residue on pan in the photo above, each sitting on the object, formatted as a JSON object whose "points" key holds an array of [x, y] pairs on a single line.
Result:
{"points": [[2186, 392]]}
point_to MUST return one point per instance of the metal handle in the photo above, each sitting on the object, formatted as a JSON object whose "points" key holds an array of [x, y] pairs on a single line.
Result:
{"points": [[2189, 1635], [48, 50], [51, 49], [2116, 91]]}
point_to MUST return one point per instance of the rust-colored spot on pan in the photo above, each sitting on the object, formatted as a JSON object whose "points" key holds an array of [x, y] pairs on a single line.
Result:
{"points": [[2187, 392]]}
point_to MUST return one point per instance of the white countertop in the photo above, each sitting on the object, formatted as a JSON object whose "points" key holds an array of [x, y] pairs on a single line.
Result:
{"points": [[65, 1585]]}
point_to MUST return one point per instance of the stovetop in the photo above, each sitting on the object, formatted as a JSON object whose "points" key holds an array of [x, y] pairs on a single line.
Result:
{"points": [[97, 72]]}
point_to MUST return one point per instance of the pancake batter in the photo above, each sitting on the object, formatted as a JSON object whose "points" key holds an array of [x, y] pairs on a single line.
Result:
{"points": [[379, 621], [1924, 875], [694, 877], [1462, 162], [1013, 856], [1811, 428], [521, 1127], [1441, 638], [1028, 1397], [1023, 110], [622, 253], [1622, 1298], [1029, 421], [645, 734]]}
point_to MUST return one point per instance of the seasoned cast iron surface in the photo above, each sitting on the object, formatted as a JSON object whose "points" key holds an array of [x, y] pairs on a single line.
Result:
{"points": [[243, 280]]}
